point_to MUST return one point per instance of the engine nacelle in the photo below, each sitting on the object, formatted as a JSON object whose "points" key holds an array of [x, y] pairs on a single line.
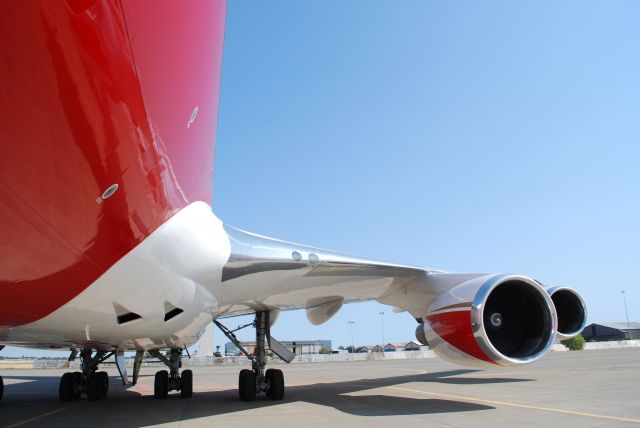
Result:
{"points": [[420, 336], [492, 320], [571, 310]]}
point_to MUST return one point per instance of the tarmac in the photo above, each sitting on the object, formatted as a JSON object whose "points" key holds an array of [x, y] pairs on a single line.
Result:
{"points": [[583, 388]]}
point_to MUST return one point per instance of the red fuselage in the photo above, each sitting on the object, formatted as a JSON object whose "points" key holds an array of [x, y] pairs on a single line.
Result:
{"points": [[97, 93]]}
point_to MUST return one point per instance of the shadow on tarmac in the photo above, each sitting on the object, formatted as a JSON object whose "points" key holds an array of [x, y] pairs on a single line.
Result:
{"points": [[128, 408]]}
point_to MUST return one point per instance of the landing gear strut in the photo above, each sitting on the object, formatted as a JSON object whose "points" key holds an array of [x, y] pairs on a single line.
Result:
{"points": [[250, 382], [89, 381], [172, 380]]}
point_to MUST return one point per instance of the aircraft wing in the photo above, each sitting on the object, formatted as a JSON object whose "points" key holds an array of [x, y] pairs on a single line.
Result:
{"points": [[266, 273], [470, 319]]}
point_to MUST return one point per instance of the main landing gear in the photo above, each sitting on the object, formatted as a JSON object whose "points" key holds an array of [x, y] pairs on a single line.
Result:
{"points": [[250, 382], [89, 381], [172, 380]]}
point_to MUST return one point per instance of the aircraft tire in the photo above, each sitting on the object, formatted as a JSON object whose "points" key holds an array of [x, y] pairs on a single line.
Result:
{"points": [[66, 389], [94, 387], [161, 384], [78, 386], [247, 385], [186, 384], [276, 384], [104, 384], [268, 374]]}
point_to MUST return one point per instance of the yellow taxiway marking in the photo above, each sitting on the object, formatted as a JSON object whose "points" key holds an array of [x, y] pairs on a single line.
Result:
{"points": [[522, 406], [407, 370], [43, 415]]}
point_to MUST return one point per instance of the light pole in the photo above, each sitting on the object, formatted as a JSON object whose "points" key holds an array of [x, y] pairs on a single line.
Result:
{"points": [[351, 323], [382, 328], [624, 299]]}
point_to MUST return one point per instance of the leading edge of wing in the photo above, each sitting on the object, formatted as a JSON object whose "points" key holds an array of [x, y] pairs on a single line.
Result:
{"points": [[252, 253], [265, 273]]}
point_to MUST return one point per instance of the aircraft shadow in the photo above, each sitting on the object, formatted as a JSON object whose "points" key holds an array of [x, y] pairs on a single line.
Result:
{"points": [[356, 397]]}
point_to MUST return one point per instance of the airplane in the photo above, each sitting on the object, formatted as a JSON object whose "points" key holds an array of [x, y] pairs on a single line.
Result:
{"points": [[109, 240]]}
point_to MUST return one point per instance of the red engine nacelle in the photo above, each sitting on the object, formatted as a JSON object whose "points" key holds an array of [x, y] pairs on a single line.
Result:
{"points": [[493, 319]]}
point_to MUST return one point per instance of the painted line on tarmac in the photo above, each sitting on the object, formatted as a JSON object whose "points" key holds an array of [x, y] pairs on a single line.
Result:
{"points": [[43, 415], [522, 406], [419, 371]]}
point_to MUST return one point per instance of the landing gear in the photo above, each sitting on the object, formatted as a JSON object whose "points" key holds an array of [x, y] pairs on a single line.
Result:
{"points": [[94, 387], [247, 385], [66, 389], [171, 380], [186, 384], [161, 384], [250, 382], [104, 384], [90, 382], [275, 379], [76, 383]]}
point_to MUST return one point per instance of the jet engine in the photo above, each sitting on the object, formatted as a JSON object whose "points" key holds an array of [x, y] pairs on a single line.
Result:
{"points": [[571, 310], [492, 320]]}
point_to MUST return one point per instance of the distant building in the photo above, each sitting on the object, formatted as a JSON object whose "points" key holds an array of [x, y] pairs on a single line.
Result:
{"points": [[412, 346], [298, 347], [606, 331], [369, 348], [230, 349], [390, 347]]}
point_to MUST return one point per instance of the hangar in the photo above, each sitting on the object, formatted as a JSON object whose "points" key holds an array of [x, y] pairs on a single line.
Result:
{"points": [[606, 331]]}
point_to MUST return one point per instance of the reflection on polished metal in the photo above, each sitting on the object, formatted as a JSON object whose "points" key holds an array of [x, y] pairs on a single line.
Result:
{"points": [[252, 253]]}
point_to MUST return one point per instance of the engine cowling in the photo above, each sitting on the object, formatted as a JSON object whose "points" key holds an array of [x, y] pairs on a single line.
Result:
{"points": [[420, 336], [571, 310], [492, 320]]}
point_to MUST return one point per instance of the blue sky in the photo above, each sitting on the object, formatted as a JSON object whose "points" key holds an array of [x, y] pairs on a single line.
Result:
{"points": [[468, 136]]}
